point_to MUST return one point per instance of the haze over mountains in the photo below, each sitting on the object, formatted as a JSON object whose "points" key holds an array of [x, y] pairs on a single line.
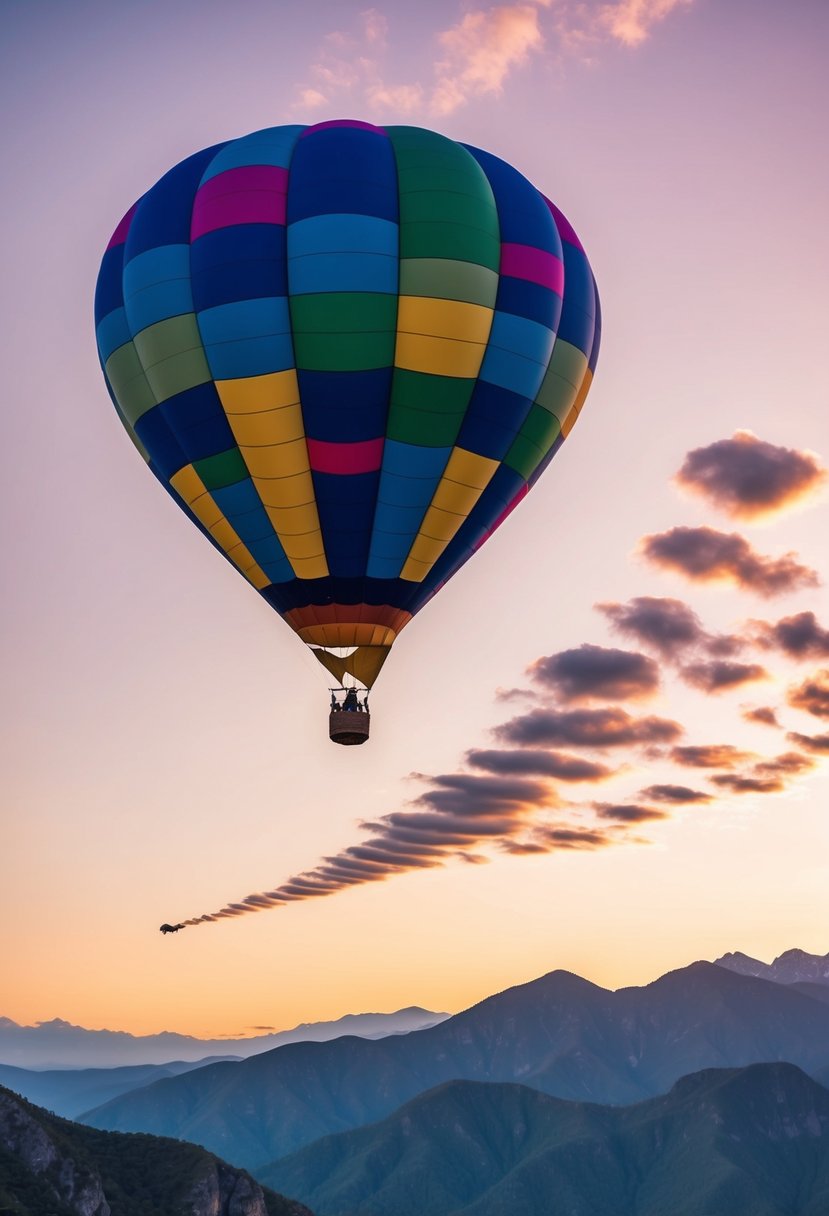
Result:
{"points": [[747, 1142], [59, 1044], [559, 1034], [791, 967]]}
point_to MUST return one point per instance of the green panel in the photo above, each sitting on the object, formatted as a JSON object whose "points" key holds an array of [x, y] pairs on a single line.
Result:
{"points": [[537, 435], [223, 470], [455, 241], [344, 331], [343, 352], [444, 175], [173, 356], [424, 427], [446, 279], [568, 364], [128, 383], [446, 206], [426, 409]]}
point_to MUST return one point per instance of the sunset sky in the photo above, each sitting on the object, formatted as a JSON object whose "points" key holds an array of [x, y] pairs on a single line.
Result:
{"points": [[610, 732]]}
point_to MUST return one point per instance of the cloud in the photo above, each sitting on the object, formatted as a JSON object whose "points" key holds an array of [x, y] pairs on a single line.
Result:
{"points": [[748, 478], [749, 785], [311, 99], [668, 626], [799, 636], [720, 675], [812, 743], [529, 762], [588, 671], [631, 21], [599, 728], [402, 98], [812, 695], [764, 715], [789, 764], [677, 795], [261, 1028], [481, 50], [627, 812], [552, 838], [705, 555], [766, 776], [710, 755]]}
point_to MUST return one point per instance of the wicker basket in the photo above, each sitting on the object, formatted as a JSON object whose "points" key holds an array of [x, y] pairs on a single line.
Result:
{"points": [[348, 726]]}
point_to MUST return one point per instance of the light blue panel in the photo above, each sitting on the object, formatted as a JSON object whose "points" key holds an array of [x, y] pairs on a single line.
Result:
{"points": [[522, 336], [413, 460], [157, 303], [320, 272], [278, 572], [343, 233], [250, 356], [398, 491], [388, 554], [514, 372], [112, 332], [156, 266], [244, 319], [273, 146], [391, 518]]}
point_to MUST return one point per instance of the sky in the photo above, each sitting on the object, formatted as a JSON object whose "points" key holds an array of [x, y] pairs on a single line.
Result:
{"points": [[608, 734]]}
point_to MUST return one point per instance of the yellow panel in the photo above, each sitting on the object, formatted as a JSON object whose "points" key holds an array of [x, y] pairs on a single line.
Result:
{"points": [[257, 576], [424, 549], [569, 422], [310, 567], [450, 496], [281, 460], [439, 356], [257, 393], [187, 484], [308, 545], [414, 570], [441, 525], [268, 426], [470, 469], [285, 491], [355, 633], [206, 510], [224, 535], [295, 521], [444, 318]]}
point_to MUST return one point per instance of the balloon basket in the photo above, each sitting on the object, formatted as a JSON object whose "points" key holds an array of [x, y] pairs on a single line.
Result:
{"points": [[348, 727]]}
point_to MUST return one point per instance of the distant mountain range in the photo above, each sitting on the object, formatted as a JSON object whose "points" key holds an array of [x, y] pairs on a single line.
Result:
{"points": [[49, 1167], [746, 1142], [791, 967], [559, 1034], [59, 1044]]}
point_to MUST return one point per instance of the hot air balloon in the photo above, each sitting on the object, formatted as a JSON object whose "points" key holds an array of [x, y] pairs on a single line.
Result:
{"points": [[347, 352]]}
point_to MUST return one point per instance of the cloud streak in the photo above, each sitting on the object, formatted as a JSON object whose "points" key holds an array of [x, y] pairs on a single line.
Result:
{"points": [[704, 555], [608, 727], [596, 672]]}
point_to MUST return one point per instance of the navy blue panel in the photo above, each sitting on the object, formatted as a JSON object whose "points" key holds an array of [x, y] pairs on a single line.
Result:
{"points": [[497, 496], [165, 451], [345, 407], [198, 422], [342, 170], [164, 213], [577, 328], [523, 216], [320, 591], [492, 420], [109, 290], [531, 300], [242, 262], [597, 336], [346, 511]]}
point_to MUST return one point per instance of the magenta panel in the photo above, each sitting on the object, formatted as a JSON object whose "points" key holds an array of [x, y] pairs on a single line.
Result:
{"points": [[536, 265], [253, 194], [565, 230], [342, 122], [365, 457], [119, 236]]}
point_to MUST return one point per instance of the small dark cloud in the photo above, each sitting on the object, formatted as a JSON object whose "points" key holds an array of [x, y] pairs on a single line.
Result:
{"points": [[599, 728], [667, 625], [720, 675], [747, 477], [550, 838], [764, 715], [812, 695], [799, 636], [705, 555], [677, 795], [709, 755], [789, 764], [261, 1028], [627, 812], [812, 743], [749, 785], [529, 762], [470, 793], [589, 672]]}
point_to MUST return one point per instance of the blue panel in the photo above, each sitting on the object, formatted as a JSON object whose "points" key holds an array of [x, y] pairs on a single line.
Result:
{"points": [[320, 272], [344, 233], [198, 421], [531, 300], [112, 332], [156, 266], [576, 327], [492, 420], [559, 440], [163, 215], [343, 169], [273, 146], [521, 337], [247, 338], [412, 460], [511, 371], [349, 407], [523, 216], [109, 291], [495, 498], [346, 511], [164, 449], [578, 281], [241, 262], [597, 335], [157, 303], [238, 499]]}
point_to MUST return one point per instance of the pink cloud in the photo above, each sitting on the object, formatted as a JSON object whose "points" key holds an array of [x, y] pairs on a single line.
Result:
{"points": [[481, 50], [631, 21]]}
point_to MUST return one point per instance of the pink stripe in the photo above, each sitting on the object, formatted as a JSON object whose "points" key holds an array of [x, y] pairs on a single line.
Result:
{"points": [[508, 510], [341, 122], [565, 228], [119, 236], [365, 457], [256, 196], [536, 265], [244, 179]]}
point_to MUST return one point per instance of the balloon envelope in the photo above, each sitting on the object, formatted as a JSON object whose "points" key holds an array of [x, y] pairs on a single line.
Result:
{"points": [[347, 352]]}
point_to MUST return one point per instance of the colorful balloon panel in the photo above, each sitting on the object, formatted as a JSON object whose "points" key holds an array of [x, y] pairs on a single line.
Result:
{"points": [[348, 353]]}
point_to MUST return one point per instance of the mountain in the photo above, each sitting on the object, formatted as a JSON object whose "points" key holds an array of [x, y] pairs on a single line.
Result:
{"points": [[747, 1142], [559, 1034], [70, 1091], [791, 967], [59, 1044], [50, 1167]]}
